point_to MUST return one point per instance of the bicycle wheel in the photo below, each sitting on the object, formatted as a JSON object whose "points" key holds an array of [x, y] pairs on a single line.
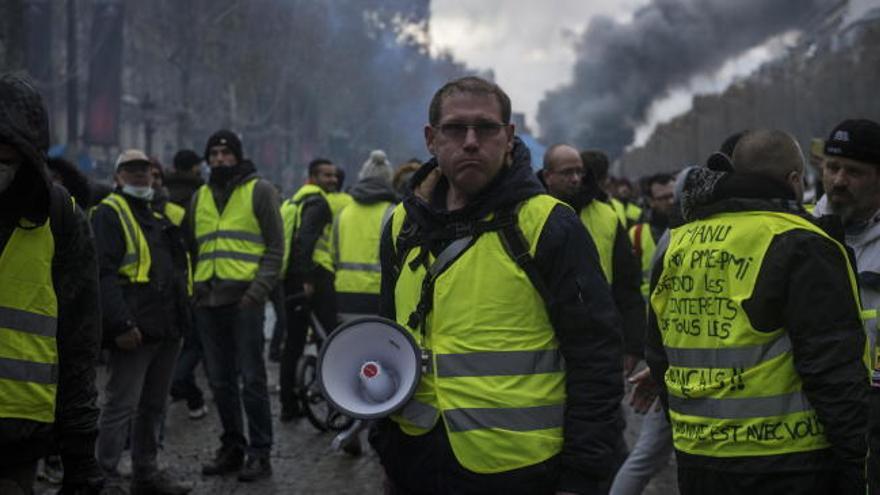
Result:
{"points": [[318, 411]]}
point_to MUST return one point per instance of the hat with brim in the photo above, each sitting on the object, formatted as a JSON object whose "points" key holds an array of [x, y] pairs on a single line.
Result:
{"points": [[132, 157]]}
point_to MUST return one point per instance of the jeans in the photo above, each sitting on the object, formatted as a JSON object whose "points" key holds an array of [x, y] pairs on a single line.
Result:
{"points": [[649, 455], [232, 339], [134, 404]]}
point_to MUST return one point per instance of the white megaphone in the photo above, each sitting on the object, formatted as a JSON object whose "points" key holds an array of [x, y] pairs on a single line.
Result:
{"points": [[369, 367]]}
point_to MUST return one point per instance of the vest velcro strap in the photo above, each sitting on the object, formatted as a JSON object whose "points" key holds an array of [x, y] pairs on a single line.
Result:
{"points": [[230, 234], [741, 408], [503, 363], [27, 322], [419, 414], [359, 267], [513, 418], [233, 255], [730, 357], [28, 371]]}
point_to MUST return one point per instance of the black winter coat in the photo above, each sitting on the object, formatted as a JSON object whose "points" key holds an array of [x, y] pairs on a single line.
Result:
{"points": [[586, 323]]}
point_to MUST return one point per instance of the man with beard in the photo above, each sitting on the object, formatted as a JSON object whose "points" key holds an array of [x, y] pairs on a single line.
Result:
{"points": [[237, 243], [497, 282], [851, 178], [644, 236]]}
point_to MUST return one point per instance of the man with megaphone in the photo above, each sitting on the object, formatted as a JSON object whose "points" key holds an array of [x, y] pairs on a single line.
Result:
{"points": [[500, 285]]}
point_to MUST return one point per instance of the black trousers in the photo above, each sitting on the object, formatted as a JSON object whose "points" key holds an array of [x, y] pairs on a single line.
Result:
{"points": [[874, 441], [323, 304]]}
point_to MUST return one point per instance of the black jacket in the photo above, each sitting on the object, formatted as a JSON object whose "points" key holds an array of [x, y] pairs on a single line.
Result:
{"points": [[159, 308], [24, 125], [584, 318], [802, 286], [316, 216], [181, 186]]}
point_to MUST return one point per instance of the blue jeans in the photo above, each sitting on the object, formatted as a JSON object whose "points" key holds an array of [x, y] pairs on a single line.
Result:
{"points": [[232, 339]]}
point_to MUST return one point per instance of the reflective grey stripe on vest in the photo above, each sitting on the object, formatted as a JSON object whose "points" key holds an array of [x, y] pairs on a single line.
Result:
{"points": [[499, 363], [514, 418], [419, 414], [741, 408], [729, 357], [28, 371], [449, 255], [254, 258], [230, 234], [360, 267], [27, 322]]}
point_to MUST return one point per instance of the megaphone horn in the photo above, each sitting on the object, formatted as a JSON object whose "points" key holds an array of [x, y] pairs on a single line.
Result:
{"points": [[369, 367]]}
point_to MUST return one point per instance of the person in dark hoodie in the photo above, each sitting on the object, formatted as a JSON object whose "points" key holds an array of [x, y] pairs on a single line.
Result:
{"points": [[762, 362], [50, 320], [237, 245], [356, 233], [144, 273], [68, 175], [517, 288]]}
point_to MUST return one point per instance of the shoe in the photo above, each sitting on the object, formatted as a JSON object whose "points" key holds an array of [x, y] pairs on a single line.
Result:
{"points": [[198, 413], [51, 470], [256, 468], [227, 460], [160, 484]]}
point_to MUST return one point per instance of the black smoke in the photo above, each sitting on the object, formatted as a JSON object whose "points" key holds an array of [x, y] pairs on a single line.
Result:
{"points": [[622, 68]]}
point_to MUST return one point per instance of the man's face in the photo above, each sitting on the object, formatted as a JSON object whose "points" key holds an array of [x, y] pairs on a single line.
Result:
{"points": [[470, 141], [135, 174], [325, 177], [10, 162], [662, 196], [564, 173], [852, 187], [221, 156], [156, 174]]}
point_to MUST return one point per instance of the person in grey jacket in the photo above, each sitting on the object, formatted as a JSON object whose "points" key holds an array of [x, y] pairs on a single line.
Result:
{"points": [[237, 243]]}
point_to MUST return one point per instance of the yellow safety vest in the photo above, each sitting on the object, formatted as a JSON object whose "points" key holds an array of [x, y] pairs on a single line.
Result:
{"points": [[136, 262], [643, 242], [28, 326], [628, 213], [174, 213], [496, 378], [733, 390], [338, 201], [230, 244], [291, 214], [601, 222], [356, 234]]}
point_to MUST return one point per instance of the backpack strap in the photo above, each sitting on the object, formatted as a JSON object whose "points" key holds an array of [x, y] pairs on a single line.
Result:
{"points": [[517, 248]]}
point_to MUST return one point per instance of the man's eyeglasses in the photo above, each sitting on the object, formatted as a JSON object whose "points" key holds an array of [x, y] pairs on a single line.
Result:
{"points": [[458, 132]]}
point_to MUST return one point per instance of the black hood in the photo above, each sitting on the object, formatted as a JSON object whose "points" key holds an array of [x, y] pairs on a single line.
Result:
{"points": [[372, 190], [515, 183], [24, 124]]}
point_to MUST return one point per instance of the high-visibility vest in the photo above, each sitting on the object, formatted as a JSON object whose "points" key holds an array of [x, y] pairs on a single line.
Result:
{"points": [[643, 243], [628, 213], [28, 326], [174, 213], [230, 244], [291, 215], [137, 260], [601, 222], [733, 390], [356, 234], [338, 201], [497, 377]]}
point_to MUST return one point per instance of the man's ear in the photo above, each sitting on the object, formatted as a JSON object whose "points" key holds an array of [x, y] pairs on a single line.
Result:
{"points": [[511, 131], [429, 138]]}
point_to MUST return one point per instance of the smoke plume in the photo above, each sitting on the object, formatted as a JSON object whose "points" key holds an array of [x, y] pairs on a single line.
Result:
{"points": [[622, 68]]}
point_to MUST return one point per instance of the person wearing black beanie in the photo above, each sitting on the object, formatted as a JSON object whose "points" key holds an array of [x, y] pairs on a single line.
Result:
{"points": [[237, 240]]}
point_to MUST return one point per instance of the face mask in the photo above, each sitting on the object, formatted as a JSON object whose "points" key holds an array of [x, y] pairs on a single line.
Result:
{"points": [[140, 192], [7, 175]]}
